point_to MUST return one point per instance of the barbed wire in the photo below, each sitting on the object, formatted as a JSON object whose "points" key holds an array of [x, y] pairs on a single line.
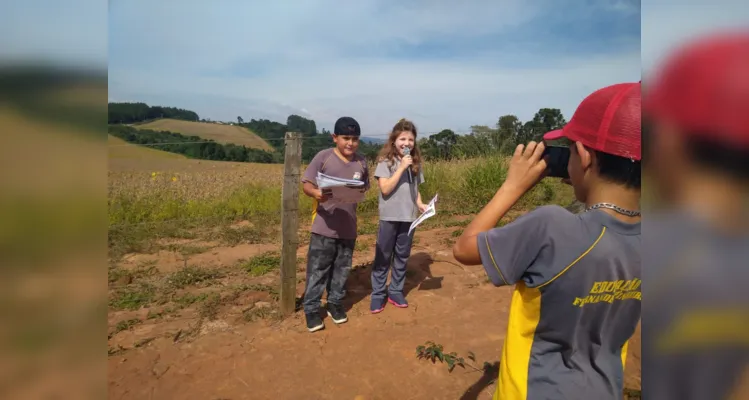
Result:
{"points": [[316, 137], [227, 220], [235, 218]]}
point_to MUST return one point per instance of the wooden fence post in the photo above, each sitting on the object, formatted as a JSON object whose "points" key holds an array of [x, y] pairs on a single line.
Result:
{"points": [[290, 220]]}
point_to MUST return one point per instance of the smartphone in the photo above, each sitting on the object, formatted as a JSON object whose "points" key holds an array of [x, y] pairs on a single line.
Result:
{"points": [[557, 158]]}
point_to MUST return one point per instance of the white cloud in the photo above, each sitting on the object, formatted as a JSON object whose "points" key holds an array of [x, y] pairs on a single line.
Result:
{"points": [[325, 59]]}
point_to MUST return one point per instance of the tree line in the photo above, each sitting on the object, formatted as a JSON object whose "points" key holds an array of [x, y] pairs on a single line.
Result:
{"points": [[129, 113], [193, 146], [483, 140], [312, 140]]}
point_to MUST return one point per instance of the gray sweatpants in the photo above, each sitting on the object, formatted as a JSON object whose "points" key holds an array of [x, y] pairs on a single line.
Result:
{"points": [[393, 247], [328, 266]]}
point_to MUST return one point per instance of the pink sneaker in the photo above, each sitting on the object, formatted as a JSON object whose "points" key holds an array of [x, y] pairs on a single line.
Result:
{"points": [[399, 301], [376, 306]]}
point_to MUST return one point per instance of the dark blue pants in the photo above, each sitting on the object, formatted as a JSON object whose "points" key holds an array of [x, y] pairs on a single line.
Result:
{"points": [[328, 266], [393, 248]]}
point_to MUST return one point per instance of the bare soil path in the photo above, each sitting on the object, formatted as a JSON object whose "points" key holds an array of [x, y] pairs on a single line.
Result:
{"points": [[370, 357]]}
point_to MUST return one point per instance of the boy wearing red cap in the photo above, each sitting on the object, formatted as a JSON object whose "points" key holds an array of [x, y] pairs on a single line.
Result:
{"points": [[576, 300], [695, 264]]}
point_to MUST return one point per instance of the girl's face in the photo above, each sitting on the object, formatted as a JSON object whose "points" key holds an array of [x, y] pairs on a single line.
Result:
{"points": [[404, 139]]}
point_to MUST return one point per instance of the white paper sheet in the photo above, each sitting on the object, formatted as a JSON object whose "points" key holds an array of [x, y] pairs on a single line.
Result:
{"points": [[327, 181], [340, 190], [430, 211]]}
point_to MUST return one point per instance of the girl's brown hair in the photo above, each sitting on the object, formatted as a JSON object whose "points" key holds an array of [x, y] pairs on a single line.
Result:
{"points": [[389, 152]]}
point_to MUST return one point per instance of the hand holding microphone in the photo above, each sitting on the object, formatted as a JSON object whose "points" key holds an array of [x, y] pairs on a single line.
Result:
{"points": [[407, 164]]}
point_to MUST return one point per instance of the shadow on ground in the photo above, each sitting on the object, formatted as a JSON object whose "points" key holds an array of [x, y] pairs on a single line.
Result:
{"points": [[418, 275], [490, 375]]}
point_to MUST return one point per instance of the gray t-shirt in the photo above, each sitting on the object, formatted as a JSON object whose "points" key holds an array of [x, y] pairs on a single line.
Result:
{"points": [[400, 204], [575, 305], [339, 222], [694, 328]]}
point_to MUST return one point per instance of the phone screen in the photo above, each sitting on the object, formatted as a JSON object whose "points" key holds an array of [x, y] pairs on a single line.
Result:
{"points": [[557, 158]]}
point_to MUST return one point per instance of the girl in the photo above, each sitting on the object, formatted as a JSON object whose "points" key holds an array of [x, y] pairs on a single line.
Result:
{"points": [[399, 174]]}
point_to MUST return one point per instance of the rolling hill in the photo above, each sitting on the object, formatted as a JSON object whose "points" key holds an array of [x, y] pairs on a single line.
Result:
{"points": [[128, 158], [224, 134]]}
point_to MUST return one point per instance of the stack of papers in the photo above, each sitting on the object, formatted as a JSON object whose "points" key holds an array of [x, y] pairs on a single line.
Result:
{"points": [[327, 181], [430, 211], [340, 190]]}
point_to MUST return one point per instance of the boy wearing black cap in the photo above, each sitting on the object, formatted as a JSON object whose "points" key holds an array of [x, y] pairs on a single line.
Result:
{"points": [[333, 232], [577, 277]]}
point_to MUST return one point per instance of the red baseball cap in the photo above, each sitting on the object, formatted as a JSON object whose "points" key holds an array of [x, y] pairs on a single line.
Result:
{"points": [[704, 89], [608, 120]]}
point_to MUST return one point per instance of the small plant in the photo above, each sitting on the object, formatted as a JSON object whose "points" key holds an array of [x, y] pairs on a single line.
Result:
{"points": [[124, 325], [123, 276], [209, 308], [245, 234], [262, 264], [132, 298], [435, 352], [363, 245], [368, 228], [189, 299], [258, 313], [192, 275]]}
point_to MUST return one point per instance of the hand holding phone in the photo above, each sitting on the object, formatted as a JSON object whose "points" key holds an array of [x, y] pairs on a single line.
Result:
{"points": [[557, 158]]}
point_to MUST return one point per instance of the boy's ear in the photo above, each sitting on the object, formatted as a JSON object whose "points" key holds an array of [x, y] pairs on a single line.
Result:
{"points": [[586, 157]]}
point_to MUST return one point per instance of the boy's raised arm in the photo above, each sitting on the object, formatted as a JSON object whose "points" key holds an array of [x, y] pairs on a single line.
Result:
{"points": [[466, 249], [387, 183], [506, 252]]}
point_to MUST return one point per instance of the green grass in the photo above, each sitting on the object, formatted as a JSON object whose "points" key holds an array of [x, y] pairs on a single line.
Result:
{"points": [[138, 217], [191, 276], [125, 325], [132, 297], [262, 264]]}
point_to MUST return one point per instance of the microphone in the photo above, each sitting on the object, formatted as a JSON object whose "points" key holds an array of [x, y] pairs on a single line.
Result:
{"points": [[407, 152]]}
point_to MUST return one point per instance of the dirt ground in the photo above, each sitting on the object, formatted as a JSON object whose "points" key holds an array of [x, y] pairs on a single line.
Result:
{"points": [[370, 357]]}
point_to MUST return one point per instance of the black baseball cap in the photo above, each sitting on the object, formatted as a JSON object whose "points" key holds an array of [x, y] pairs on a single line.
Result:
{"points": [[346, 126]]}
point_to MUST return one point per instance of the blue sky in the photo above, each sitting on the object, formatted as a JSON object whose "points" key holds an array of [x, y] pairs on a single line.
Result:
{"points": [[440, 63]]}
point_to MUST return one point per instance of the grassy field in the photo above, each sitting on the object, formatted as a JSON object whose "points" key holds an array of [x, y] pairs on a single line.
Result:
{"points": [[194, 250], [168, 200], [224, 134]]}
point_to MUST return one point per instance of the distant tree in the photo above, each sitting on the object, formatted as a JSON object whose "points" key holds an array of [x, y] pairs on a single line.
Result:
{"points": [[475, 144], [127, 113], [444, 142], [300, 124], [240, 120], [545, 120], [508, 129]]}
